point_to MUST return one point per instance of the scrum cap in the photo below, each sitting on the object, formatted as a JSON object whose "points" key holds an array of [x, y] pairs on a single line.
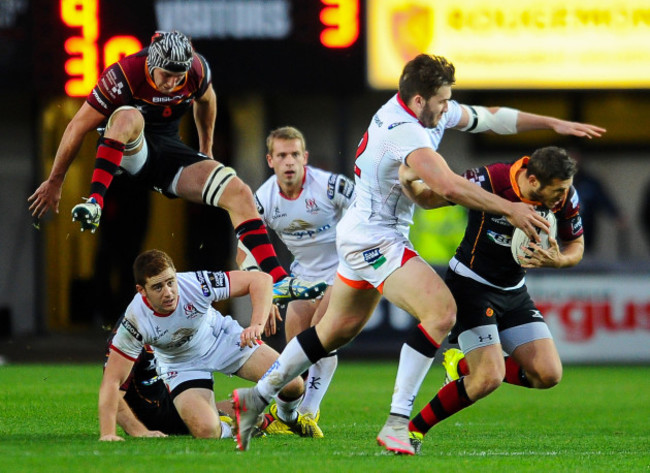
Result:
{"points": [[171, 51]]}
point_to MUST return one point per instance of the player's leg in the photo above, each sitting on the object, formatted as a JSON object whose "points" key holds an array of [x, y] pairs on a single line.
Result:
{"points": [[417, 289], [320, 374], [535, 364], [211, 183], [198, 409], [348, 311], [123, 136], [487, 370]]}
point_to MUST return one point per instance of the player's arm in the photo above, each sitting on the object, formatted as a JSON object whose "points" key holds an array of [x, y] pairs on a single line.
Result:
{"points": [[116, 371], [48, 194], [416, 190], [566, 255], [508, 121], [205, 115], [434, 171], [131, 424], [259, 286]]}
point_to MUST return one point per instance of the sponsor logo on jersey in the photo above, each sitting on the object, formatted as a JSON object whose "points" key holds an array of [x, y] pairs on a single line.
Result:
{"points": [[473, 175], [374, 257], [377, 121], [181, 337], [99, 99], [576, 224], [499, 238], [331, 185], [165, 99], [501, 220], [311, 206], [191, 311], [204, 286], [298, 229], [217, 279], [346, 188], [537, 314], [277, 213], [117, 89], [395, 125], [131, 329]]}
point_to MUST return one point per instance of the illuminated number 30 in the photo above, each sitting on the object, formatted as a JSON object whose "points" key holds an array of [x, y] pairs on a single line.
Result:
{"points": [[83, 65]]}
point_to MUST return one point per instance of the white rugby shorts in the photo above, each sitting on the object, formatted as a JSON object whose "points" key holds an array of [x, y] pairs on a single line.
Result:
{"points": [[225, 355], [370, 252]]}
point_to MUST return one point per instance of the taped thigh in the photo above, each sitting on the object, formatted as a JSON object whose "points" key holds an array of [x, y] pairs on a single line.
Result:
{"points": [[216, 184]]}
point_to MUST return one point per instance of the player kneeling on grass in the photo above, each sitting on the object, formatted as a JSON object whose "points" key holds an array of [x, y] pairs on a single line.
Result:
{"points": [[495, 312], [172, 313]]}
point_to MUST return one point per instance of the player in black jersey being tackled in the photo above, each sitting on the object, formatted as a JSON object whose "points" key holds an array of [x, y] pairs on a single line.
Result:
{"points": [[140, 99], [495, 312]]}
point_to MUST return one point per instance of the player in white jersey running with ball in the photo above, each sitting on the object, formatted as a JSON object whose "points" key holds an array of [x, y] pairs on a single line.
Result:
{"points": [[303, 204], [375, 254], [173, 314]]}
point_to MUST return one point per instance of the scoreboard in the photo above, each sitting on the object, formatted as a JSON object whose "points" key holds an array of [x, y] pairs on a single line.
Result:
{"points": [[289, 45]]}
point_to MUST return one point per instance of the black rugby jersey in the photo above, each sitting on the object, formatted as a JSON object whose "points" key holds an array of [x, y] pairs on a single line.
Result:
{"points": [[128, 82], [485, 247]]}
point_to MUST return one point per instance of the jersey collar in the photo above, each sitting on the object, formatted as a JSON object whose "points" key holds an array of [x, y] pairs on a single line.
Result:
{"points": [[519, 165], [407, 109], [146, 302]]}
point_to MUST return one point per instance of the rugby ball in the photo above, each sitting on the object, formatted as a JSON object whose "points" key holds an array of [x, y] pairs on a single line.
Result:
{"points": [[520, 241]]}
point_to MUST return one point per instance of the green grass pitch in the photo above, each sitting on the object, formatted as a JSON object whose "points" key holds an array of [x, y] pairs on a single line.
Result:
{"points": [[597, 419]]}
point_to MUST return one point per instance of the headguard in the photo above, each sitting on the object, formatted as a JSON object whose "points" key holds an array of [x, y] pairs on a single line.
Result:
{"points": [[171, 51]]}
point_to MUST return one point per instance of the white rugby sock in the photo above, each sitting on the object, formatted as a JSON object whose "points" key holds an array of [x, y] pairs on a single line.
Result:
{"points": [[226, 431], [319, 378], [413, 367], [288, 410], [291, 363]]}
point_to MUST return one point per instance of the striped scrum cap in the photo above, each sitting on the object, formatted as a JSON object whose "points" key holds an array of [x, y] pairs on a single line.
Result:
{"points": [[171, 51]]}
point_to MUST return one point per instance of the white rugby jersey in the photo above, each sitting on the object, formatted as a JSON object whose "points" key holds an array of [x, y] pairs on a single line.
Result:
{"points": [[307, 224], [182, 335], [394, 132]]}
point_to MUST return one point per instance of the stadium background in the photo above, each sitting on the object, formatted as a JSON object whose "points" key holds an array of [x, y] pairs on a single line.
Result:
{"points": [[272, 65]]}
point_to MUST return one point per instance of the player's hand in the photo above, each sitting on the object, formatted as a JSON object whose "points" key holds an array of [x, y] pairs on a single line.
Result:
{"points": [[47, 196], [523, 216], [538, 257], [271, 324], [252, 335], [583, 130], [111, 438]]}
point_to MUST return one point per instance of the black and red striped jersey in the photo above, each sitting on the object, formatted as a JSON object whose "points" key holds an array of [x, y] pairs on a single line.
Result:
{"points": [[128, 82], [485, 247]]}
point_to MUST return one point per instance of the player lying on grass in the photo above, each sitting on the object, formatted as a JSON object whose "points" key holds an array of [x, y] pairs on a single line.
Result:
{"points": [[146, 404], [172, 313], [495, 311]]}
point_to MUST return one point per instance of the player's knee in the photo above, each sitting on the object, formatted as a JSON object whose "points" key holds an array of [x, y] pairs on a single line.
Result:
{"points": [[125, 124], [485, 381], [547, 379]]}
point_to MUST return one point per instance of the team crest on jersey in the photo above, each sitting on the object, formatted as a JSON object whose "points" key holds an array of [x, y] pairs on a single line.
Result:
{"points": [[217, 280], [131, 329], [204, 286], [374, 257], [191, 311], [311, 206]]}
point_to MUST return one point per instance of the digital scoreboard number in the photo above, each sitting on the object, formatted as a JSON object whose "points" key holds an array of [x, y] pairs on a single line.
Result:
{"points": [[317, 34]]}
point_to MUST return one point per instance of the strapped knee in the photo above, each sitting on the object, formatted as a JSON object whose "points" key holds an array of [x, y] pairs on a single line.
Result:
{"points": [[216, 184]]}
